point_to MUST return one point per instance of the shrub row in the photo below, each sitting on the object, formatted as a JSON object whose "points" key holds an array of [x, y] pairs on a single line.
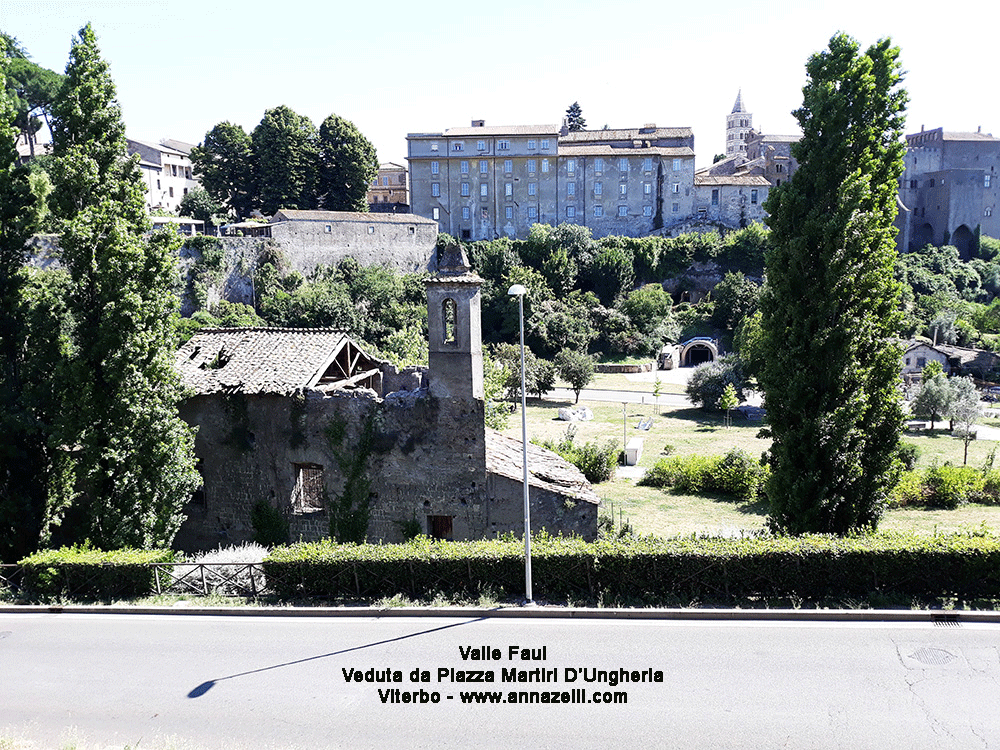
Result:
{"points": [[736, 473], [648, 571], [84, 573], [947, 487]]}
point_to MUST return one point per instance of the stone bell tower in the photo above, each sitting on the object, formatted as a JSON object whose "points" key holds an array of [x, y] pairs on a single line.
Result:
{"points": [[455, 339]]}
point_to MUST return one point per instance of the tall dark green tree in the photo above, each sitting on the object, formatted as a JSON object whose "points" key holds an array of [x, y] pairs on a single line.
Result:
{"points": [[284, 152], [574, 117], [24, 463], [131, 456], [223, 163], [32, 88], [829, 310], [347, 165]]}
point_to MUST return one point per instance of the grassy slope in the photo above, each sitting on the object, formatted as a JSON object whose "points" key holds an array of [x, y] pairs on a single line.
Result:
{"points": [[653, 511]]}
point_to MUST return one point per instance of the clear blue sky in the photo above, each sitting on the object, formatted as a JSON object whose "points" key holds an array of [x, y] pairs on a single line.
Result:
{"points": [[397, 67]]}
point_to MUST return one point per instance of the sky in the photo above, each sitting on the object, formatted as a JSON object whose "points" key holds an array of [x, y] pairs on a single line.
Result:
{"points": [[397, 67]]}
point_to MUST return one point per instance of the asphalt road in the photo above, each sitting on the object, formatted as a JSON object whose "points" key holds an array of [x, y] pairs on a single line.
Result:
{"points": [[265, 682]]}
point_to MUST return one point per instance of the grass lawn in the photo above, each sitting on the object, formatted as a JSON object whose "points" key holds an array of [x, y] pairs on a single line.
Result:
{"points": [[654, 511], [613, 381]]}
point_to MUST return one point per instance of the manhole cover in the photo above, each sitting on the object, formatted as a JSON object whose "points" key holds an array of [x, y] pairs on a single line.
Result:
{"points": [[934, 657]]}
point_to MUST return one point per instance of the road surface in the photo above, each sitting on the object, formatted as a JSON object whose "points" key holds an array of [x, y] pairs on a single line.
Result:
{"points": [[310, 682]]}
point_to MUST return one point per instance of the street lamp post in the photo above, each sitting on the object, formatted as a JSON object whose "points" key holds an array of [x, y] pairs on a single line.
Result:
{"points": [[517, 290]]}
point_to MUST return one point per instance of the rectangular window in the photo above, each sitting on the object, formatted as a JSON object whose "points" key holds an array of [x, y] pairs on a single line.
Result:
{"points": [[484, 214], [436, 189], [465, 190], [986, 180], [171, 192], [307, 494], [598, 188], [715, 197], [677, 165], [385, 182], [484, 166], [921, 361], [480, 145], [545, 165], [532, 212], [508, 189], [532, 166], [509, 212], [464, 166], [532, 145], [434, 147], [458, 146], [435, 167], [753, 196], [675, 188], [508, 166], [329, 228], [503, 145], [532, 188], [545, 144], [779, 167], [484, 190], [435, 213], [465, 212], [570, 189], [598, 165], [675, 208], [647, 164], [647, 210], [598, 211], [623, 210], [647, 188], [570, 166], [570, 212], [623, 165], [623, 189]]}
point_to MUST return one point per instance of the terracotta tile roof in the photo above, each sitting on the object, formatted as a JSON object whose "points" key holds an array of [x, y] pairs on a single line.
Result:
{"points": [[288, 214], [749, 180], [570, 150], [546, 470], [495, 130], [625, 134], [256, 360]]}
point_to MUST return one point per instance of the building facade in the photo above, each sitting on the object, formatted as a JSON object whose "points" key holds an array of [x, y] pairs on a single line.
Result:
{"points": [[388, 191], [166, 173], [950, 189], [484, 182]]}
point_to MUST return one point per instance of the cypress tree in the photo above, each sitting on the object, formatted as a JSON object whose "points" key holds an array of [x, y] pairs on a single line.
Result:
{"points": [[830, 309], [131, 456]]}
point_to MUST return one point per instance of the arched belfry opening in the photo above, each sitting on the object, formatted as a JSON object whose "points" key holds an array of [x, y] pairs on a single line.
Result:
{"points": [[455, 351]]}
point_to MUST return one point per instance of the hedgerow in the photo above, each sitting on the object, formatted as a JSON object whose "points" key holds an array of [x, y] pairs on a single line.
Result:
{"points": [[80, 572], [947, 487], [736, 473], [647, 571]]}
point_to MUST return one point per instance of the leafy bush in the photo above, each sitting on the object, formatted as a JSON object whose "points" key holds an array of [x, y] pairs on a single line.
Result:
{"points": [[908, 454], [81, 572], [950, 486], [710, 379], [736, 473], [597, 462], [648, 570], [909, 490]]}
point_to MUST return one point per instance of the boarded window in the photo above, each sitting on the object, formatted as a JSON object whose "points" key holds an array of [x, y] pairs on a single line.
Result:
{"points": [[439, 527], [307, 495]]}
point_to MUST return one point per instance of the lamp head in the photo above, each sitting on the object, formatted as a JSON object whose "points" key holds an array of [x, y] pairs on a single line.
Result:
{"points": [[517, 290]]}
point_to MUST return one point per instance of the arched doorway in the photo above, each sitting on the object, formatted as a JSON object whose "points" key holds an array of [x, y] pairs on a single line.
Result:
{"points": [[923, 236], [697, 351], [964, 240]]}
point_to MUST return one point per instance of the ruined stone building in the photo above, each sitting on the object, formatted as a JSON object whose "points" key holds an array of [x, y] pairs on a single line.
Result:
{"points": [[483, 182], [304, 420], [949, 189]]}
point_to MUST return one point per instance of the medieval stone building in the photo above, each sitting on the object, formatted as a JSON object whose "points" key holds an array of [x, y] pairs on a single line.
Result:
{"points": [[307, 422]]}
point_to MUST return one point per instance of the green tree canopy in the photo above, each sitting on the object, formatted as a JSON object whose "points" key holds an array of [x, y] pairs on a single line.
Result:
{"points": [[347, 165], [223, 163], [284, 160], [574, 117], [576, 368], [831, 304], [132, 463]]}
